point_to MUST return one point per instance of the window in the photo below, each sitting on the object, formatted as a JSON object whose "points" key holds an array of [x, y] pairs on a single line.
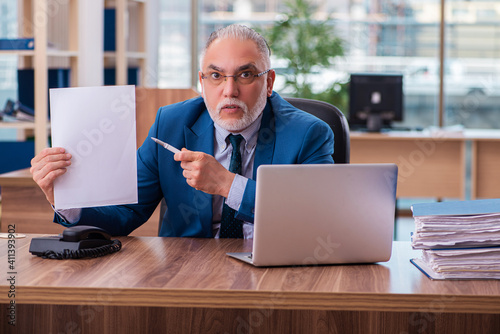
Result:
{"points": [[472, 79], [174, 61], [396, 36]]}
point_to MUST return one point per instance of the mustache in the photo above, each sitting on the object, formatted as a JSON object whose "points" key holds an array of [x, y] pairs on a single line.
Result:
{"points": [[232, 101]]}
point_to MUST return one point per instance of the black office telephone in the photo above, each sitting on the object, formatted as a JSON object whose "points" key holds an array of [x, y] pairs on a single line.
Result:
{"points": [[75, 243]]}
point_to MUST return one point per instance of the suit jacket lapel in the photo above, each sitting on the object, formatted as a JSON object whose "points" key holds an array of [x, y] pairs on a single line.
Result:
{"points": [[264, 151], [200, 137]]}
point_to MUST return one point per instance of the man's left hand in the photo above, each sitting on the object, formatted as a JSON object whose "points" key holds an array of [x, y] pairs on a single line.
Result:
{"points": [[204, 173]]}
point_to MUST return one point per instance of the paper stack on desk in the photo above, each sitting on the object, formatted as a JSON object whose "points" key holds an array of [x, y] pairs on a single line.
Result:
{"points": [[459, 240]]}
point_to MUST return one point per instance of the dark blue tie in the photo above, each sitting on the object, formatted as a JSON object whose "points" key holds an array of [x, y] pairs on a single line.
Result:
{"points": [[231, 227]]}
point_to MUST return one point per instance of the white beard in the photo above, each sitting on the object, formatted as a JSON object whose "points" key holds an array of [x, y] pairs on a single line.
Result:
{"points": [[249, 116]]}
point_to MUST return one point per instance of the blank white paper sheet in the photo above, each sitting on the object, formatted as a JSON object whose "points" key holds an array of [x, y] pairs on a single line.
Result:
{"points": [[97, 126]]}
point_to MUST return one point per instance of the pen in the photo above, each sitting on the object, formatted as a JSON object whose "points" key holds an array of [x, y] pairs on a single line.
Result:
{"points": [[165, 145]]}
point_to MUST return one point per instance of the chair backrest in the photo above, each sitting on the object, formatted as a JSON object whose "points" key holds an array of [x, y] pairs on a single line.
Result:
{"points": [[334, 118]]}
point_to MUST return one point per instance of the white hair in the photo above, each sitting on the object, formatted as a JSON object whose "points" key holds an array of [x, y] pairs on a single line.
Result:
{"points": [[242, 33]]}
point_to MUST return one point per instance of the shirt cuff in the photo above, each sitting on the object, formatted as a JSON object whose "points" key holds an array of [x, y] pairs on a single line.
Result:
{"points": [[236, 192], [69, 216]]}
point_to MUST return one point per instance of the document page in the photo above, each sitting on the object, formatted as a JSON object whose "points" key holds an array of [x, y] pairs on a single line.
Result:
{"points": [[97, 126]]}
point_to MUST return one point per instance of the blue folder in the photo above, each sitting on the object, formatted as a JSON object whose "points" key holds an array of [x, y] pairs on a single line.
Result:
{"points": [[455, 208]]}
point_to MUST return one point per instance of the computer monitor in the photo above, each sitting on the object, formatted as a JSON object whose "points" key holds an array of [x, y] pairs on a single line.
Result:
{"points": [[375, 100]]}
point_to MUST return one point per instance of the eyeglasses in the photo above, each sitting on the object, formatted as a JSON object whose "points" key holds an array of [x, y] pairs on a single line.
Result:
{"points": [[243, 77]]}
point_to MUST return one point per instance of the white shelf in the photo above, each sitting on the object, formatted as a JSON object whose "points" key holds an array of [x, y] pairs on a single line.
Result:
{"points": [[123, 31], [129, 55], [17, 125], [61, 53], [31, 53], [18, 52]]}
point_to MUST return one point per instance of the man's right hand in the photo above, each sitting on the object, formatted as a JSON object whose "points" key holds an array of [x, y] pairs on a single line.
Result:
{"points": [[47, 166]]}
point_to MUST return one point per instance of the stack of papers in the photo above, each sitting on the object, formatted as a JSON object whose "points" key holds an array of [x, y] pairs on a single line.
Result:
{"points": [[456, 231], [469, 263], [459, 240]]}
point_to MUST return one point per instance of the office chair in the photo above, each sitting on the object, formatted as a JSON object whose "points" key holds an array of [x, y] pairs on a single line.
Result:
{"points": [[334, 118]]}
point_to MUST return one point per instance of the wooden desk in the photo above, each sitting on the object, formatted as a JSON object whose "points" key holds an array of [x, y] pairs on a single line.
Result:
{"points": [[25, 205], [186, 285], [429, 165]]}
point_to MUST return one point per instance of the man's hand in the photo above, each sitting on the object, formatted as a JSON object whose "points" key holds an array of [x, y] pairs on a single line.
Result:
{"points": [[204, 173], [47, 166]]}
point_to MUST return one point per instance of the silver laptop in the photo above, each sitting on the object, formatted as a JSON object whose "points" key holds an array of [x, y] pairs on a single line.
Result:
{"points": [[323, 214]]}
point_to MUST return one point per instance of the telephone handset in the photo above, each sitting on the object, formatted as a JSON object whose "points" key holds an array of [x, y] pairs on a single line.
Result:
{"points": [[85, 233], [75, 242]]}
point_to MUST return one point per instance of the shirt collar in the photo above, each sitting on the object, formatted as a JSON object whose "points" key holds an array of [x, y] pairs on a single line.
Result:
{"points": [[250, 135]]}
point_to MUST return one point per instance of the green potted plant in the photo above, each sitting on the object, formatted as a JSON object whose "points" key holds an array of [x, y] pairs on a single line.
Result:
{"points": [[308, 47]]}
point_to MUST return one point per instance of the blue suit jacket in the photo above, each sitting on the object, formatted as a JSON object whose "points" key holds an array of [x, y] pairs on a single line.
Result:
{"points": [[287, 136]]}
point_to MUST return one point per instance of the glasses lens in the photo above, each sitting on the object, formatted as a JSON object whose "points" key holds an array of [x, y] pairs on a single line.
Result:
{"points": [[215, 78]]}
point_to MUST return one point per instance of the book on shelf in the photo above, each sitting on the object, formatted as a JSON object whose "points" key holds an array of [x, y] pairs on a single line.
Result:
{"points": [[109, 29], [19, 155], [458, 239], [17, 43], [132, 76], [56, 78]]}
